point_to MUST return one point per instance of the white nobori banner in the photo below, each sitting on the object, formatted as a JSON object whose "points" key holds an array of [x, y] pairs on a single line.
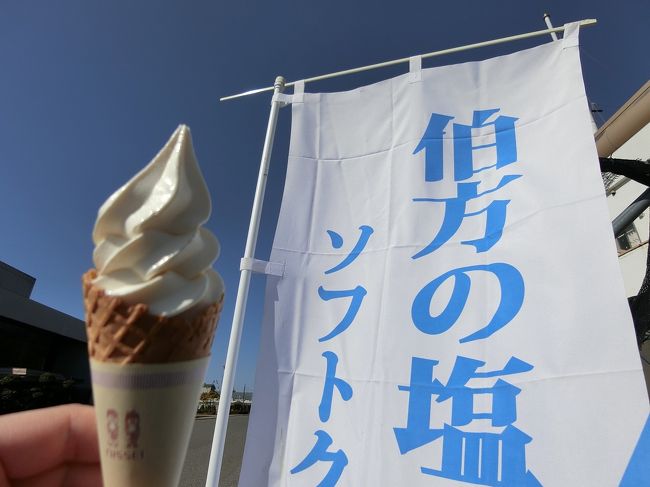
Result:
{"points": [[451, 310]]}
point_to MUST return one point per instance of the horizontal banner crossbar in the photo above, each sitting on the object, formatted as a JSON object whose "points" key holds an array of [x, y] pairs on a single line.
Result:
{"points": [[452, 50]]}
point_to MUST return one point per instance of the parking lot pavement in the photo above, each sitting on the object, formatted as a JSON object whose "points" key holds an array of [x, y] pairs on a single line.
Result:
{"points": [[195, 469]]}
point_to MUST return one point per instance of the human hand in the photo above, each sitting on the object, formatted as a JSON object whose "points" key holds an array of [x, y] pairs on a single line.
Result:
{"points": [[50, 447]]}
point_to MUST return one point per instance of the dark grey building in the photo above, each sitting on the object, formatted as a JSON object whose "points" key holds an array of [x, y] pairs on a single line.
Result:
{"points": [[43, 357]]}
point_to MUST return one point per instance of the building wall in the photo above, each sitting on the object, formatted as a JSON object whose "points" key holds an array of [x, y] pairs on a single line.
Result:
{"points": [[633, 261], [43, 357], [16, 281], [24, 346]]}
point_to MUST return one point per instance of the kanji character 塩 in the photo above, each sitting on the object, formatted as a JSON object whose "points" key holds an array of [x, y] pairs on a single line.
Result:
{"points": [[468, 457]]}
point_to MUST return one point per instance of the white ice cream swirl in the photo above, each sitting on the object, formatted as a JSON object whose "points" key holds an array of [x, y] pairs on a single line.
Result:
{"points": [[150, 246]]}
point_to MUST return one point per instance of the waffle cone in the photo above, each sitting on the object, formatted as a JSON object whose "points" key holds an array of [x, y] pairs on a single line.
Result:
{"points": [[126, 333]]}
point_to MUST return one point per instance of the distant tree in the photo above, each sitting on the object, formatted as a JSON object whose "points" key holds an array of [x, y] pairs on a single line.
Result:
{"points": [[212, 394]]}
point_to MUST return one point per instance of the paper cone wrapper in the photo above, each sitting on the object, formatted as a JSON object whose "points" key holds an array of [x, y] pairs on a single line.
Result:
{"points": [[145, 414]]}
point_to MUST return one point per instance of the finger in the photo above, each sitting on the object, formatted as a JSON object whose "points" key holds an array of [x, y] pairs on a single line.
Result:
{"points": [[37, 441], [70, 475]]}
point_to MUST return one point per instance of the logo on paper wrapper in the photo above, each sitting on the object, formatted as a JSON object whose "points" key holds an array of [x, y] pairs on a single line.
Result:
{"points": [[132, 426], [112, 426], [132, 432]]}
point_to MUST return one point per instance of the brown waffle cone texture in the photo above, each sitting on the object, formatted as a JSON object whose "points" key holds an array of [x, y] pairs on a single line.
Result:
{"points": [[126, 333]]}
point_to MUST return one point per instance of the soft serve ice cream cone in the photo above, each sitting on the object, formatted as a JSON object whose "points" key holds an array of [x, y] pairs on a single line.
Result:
{"points": [[152, 306]]}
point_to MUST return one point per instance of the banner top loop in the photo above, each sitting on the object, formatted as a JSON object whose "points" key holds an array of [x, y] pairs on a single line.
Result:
{"points": [[571, 35], [415, 69]]}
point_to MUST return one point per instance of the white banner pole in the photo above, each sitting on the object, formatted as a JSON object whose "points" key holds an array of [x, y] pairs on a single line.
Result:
{"points": [[547, 19], [218, 440]]}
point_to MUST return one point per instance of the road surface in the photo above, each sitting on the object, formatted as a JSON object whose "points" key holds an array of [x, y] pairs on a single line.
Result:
{"points": [[195, 469]]}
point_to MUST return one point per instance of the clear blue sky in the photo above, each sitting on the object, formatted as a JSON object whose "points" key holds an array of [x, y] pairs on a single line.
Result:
{"points": [[90, 90]]}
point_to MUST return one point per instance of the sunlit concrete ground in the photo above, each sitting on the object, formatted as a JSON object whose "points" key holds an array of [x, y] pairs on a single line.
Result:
{"points": [[195, 469]]}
